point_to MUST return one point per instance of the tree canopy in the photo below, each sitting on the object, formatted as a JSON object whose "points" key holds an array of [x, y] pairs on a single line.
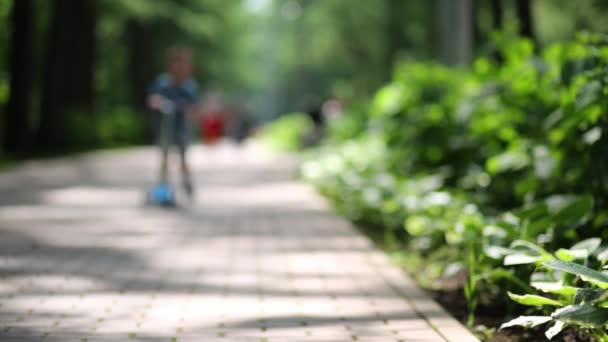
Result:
{"points": [[84, 66]]}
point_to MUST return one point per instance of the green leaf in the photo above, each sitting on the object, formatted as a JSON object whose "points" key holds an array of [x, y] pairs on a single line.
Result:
{"points": [[496, 252], [389, 99], [495, 231], [507, 161], [529, 247], [525, 252], [571, 255], [522, 259], [526, 321], [539, 226], [544, 163], [534, 211], [417, 225], [555, 329], [587, 274], [589, 93], [589, 245], [580, 250], [592, 136], [533, 300], [556, 203], [575, 212], [587, 295], [554, 287], [603, 256], [585, 315]]}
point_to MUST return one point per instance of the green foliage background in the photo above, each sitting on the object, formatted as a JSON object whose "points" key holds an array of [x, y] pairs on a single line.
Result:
{"points": [[272, 56]]}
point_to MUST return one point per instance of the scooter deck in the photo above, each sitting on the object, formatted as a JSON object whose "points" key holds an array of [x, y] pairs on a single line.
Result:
{"points": [[162, 195]]}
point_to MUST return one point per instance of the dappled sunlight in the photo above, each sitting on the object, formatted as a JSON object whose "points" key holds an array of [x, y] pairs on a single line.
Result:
{"points": [[264, 195], [266, 261], [90, 196], [60, 213]]}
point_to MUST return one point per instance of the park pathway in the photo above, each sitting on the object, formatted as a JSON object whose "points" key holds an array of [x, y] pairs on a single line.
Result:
{"points": [[258, 257]]}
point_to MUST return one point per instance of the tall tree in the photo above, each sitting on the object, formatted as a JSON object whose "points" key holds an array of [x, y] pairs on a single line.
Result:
{"points": [[477, 32], [141, 69], [497, 14], [456, 31], [17, 122], [526, 19], [396, 39], [69, 70], [497, 11], [141, 46]]}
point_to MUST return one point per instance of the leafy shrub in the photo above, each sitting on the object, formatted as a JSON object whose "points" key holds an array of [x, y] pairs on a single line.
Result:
{"points": [[118, 127], [4, 90], [286, 133], [495, 170], [80, 130], [567, 292], [416, 116], [121, 127], [348, 125]]}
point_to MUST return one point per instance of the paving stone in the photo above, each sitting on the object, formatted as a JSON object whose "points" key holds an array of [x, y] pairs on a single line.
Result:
{"points": [[258, 257]]}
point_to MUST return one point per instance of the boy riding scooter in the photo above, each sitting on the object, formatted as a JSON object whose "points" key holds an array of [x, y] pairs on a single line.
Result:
{"points": [[173, 98]]}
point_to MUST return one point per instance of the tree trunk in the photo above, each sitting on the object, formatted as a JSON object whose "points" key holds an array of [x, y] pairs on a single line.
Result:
{"points": [[477, 32], [497, 10], [141, 67], [456, 31], [526, 21], [497, 15], [395, 37], [69, 73], [16, 126]]}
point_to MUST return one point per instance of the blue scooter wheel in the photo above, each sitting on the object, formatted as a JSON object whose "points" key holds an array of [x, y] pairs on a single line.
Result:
{"points": [[162, 194]]}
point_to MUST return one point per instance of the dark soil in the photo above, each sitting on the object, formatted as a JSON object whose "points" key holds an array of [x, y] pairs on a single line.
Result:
{"points": [[490, 317]]}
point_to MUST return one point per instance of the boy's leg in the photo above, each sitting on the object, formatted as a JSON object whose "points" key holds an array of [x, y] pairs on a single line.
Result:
{"points": [[186, 176], [163, 132], [182, 140], [164, 166]]}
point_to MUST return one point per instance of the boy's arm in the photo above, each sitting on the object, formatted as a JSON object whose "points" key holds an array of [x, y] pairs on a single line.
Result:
{"points": [[156, 101]]}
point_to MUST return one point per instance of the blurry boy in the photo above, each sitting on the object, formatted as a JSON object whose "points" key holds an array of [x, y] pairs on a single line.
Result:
{"points": [[175, 94]]}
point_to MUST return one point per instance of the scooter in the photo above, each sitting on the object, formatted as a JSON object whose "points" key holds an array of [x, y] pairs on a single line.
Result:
{"points": [[163, 193]]}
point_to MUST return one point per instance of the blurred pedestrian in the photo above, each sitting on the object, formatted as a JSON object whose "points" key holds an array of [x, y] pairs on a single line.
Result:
{"points": [[332, 109], [213, 118]]}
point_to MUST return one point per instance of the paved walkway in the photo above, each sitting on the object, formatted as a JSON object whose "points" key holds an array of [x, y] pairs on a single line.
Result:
{"points": [[259, 257]]}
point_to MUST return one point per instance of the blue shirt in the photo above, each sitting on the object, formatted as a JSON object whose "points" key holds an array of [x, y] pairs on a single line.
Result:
{"points": [[181, 95]]}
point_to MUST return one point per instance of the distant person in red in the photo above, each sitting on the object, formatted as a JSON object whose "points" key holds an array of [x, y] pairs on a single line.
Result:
{"points": [[174, 96], [212, 121]]}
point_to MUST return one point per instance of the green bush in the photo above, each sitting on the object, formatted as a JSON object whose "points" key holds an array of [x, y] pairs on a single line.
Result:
{"points": [[121, 126], [287, 133], [80, 130], [4, 90], [566, 291], [493, 170]]}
